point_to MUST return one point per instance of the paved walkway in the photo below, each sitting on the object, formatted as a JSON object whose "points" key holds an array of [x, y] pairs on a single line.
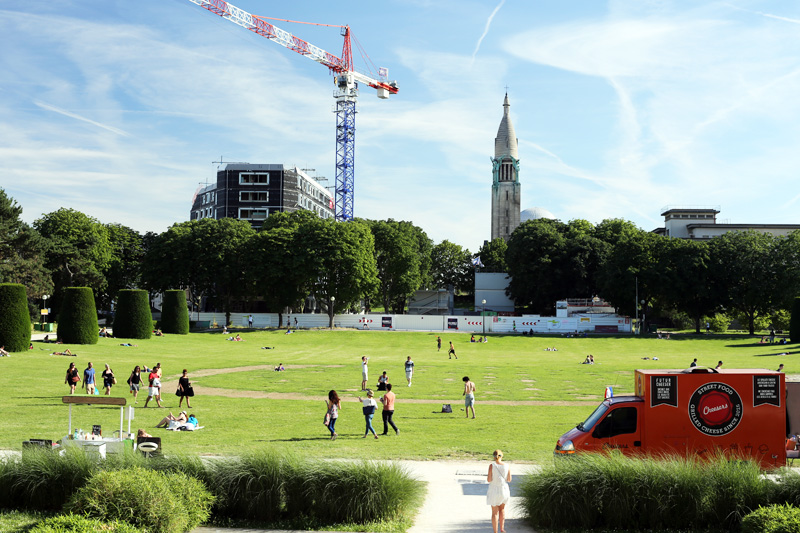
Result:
{"points": [[455, 502]]}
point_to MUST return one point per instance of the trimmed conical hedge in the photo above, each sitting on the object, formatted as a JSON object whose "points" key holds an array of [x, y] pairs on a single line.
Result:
{"points": [[794, 321], [15, 322], [175, 313], [77, 320], [133, 319]]}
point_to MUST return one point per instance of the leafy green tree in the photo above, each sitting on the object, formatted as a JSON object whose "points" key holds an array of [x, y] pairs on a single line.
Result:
{"points": [[15, 324], [78, 250], [22, 251], [133, 318], [690, 281], [77, 321], [174, 313], [124, 267], [493, 256], [283, 276], [397, 258], [342, 257], [747, 266], [206, 256], [451, 265]]}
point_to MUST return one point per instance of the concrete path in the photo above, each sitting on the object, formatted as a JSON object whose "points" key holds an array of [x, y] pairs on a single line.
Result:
{"points": [[455, 502]]}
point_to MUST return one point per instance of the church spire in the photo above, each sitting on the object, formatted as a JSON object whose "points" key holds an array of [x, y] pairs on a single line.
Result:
{"points": [[506, 141]]}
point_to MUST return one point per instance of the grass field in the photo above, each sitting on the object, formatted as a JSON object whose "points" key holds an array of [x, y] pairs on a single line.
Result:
{"points": [[526, 396]]}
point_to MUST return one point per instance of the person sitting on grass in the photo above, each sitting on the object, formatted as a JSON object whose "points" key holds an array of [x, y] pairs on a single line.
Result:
{"points": [[383, 379], [237, 338], [3, 352], [158, 333], [143, 433], [172, 420], [279, 368]]}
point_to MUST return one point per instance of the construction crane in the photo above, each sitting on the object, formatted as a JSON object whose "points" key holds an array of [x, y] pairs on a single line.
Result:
{"points": [[346, 79]]}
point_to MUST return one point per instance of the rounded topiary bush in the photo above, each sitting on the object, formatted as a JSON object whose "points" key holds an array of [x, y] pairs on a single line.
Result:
{"points": [[133, 319], [794, 321], [15, 324], [150, 500], [772, 519], [77, 319], [175, 313]]}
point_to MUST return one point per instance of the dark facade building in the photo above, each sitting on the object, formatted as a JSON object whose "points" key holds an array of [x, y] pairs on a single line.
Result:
{"points": [[253, 192]]}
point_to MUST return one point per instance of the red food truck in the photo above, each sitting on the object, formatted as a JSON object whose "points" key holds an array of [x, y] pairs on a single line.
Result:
{"points": [[699, 411]]}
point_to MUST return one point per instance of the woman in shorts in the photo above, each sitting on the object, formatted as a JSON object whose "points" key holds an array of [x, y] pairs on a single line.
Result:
{"points": [[73, 378], [108, 379], [154, 386], [134, 381]]}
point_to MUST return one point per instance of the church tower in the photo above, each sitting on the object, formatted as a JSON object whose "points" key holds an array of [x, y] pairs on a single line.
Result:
{"points": [[505, 179]]}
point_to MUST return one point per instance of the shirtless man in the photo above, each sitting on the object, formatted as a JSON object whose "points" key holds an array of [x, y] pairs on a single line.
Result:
{"points": [[469, 396]]}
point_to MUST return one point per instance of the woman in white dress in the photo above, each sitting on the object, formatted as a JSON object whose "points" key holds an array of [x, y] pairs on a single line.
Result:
{"points": [[498, 493]]}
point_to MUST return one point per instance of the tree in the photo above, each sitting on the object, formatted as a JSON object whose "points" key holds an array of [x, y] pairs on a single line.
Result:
{"points": [[206, 256], [77, 322], [747, 265], [15, 325], [174, 313], [78, 250], [133, 319], [22, 251], [692, 285], [493, 256], [124, 267], [397, 257], [451, 265], [278, 265], [794, 325], [342, 258]]}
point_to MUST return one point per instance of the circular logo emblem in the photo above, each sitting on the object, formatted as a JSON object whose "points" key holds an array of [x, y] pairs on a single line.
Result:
{"points": [[715, 409]]}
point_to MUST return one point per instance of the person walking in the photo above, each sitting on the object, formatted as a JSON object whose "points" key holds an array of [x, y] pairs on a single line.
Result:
{"points": [[388, 411], [438, 343], [88, 379], [108, 379], [185, 389], [409, 370], [153, 389], [250, 321], [72, 377], [469, 396], [364, 371], [452, 352], [134, 382], [333, 404], [499, 476], [368, 408]]}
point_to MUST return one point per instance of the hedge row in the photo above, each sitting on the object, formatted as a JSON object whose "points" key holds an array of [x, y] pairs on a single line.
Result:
{"points": [[175, 313], [613, 491], [133, 318], [264, 487], [77, 321]]}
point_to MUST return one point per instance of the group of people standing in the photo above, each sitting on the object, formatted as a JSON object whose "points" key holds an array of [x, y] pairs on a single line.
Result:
{"points": [[89, 379], [184, 391]]}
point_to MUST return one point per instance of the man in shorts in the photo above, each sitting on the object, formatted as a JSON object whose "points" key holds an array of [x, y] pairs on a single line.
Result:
{"points": [[469, 396], [88, 379], [438, 344], [452, 352], [364, 372], [409, 370]]}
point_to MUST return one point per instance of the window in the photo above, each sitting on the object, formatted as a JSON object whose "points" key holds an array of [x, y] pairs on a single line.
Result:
{"points": [[254, 178], [253, 196], [618, 422], [253, 214]]}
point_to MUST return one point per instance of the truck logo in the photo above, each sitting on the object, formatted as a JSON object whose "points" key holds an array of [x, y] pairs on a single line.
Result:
{"points": [[715, 409]]}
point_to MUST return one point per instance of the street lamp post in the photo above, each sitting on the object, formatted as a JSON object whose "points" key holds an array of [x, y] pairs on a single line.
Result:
{"points": [[483, 317], [332, 310], [44, 307]]}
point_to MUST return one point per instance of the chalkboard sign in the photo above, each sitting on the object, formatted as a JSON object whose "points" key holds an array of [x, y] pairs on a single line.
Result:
{"points": [[96, 430]]}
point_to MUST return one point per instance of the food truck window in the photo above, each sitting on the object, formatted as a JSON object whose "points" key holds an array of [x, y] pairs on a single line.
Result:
{"points": [[618, 422], [601, 410]]}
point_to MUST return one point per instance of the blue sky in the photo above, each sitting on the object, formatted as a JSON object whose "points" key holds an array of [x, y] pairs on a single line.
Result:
{"points": [[118, 108]]}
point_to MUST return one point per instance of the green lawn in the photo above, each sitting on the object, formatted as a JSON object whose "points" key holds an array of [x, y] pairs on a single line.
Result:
{"points": [[546, 393]]}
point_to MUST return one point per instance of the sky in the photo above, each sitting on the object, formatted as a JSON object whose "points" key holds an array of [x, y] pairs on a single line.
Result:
{"points": [[120, 109]]}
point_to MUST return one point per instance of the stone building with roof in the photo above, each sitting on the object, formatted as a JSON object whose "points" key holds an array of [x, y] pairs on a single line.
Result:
{"points": [[700, 223], [506, 189]]}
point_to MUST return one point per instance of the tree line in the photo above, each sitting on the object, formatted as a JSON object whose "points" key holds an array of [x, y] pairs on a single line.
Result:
{"points": [[747, 275]]}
